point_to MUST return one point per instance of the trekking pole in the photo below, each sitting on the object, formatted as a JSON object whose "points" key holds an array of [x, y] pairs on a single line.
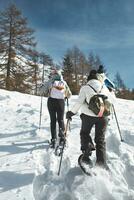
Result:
{"points": [[41, 98], [68, 110], [65, 134], [40, 112], [117, 124]]}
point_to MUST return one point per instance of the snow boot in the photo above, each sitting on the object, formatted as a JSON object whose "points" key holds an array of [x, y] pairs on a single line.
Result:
{"points": [[61, 133], [88, 151], [52, 143]]}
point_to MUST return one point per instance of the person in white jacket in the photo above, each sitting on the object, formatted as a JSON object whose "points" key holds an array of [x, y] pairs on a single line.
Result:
{"points": [[89, 119], [57, 91]]}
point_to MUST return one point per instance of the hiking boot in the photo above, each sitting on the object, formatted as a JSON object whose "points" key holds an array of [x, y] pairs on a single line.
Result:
{"points": [[62, 142], [61, 136], [52, 143], [88, 151], [86, 154]]}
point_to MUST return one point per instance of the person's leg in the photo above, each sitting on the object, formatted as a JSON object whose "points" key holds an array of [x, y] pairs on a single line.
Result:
{"points": [[60, 107], [52, 112], [86, 126], [100, 130]]}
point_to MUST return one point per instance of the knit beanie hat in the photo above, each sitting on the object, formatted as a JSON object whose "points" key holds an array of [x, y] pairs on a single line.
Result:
{"points": [[92, 75], [56, 77]]}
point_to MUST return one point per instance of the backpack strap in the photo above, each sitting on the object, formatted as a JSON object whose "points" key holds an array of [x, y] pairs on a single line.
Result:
{"points": [[92, 88]]}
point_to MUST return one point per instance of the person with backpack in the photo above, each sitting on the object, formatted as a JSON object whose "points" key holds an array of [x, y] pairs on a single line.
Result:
{"points": [[95, 86], [57, 91]]}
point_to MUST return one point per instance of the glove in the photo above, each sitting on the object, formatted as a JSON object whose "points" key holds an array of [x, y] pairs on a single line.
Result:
{"points": [[65, 98], [41, 89], [69, 115]]}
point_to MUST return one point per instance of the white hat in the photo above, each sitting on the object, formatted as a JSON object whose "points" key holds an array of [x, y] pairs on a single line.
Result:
{"points": [[101, 77]]}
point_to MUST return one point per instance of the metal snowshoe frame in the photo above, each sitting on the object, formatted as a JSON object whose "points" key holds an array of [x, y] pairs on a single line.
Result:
{"points": [[82, 167]]}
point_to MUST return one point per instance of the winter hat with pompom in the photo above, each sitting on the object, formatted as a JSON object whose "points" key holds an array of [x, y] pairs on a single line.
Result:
{"points": [[100, 74]]}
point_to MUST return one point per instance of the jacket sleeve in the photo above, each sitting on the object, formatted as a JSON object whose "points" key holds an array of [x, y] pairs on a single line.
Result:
{"points": [[80, 101], [45, 87], [68, 92]]}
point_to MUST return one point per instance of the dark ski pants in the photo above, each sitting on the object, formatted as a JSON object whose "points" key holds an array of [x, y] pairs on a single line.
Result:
{"points": [[100, 124], [56, 111]]}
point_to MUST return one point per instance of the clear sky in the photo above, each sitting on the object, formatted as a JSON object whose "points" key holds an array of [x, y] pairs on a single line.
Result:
{"points": [[105, 27]]}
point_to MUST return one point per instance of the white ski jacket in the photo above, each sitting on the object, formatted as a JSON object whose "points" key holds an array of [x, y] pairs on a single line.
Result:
{"points": [[86, 92], [49, 88]]}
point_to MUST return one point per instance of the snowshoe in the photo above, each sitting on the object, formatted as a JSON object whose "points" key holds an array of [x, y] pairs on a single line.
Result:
{"points": [[85, 164], [60, 146]]}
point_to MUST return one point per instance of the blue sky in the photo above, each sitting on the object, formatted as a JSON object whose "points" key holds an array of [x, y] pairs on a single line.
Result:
{"points": [[105, 27]]}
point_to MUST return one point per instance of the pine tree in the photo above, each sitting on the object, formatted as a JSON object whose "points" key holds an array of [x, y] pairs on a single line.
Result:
{"points": [[67, 69], [83, 65], [16, 39], [121, 90], [34, 72]]}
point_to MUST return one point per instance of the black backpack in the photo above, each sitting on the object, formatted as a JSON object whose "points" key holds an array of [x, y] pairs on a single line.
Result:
{"points": [[99, 104]]}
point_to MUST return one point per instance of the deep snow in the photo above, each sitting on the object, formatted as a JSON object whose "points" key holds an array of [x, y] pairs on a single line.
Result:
{"points": [[28, 169]]}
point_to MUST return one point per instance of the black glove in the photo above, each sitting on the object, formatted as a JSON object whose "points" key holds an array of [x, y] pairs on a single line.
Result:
{"points": [[69, 115], [65, 98]]}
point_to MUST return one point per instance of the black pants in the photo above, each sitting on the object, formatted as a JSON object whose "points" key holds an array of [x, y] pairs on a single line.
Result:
{"points": [[56, 112], [100, 124]]}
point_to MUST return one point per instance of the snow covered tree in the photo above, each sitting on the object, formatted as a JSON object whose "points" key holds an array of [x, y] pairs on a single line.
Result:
{"points": [[16, 39]]}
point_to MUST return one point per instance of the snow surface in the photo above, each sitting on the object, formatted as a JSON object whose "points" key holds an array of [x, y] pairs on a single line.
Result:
{"points": [[28, 169]]}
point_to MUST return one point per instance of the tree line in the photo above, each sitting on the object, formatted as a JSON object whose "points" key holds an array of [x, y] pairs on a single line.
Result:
{"points": [[21, 64], [19, 60]]}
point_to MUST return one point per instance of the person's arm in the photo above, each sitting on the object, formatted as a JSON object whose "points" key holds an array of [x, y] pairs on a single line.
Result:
{"points": [[45, 87], [111, 95], [80, 101], [68, 92]]}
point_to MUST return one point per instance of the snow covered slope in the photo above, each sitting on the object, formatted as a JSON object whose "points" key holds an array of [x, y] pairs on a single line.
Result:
{"points": [[28, 169]]}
